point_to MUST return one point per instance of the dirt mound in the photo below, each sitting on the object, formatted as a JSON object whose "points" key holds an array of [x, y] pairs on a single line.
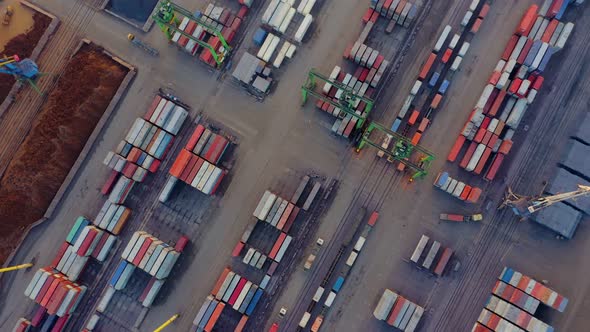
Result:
{"points": [[23, 45], [57, 137]]}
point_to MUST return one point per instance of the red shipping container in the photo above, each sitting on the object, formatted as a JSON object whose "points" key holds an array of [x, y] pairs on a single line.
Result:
{"points": [[423, 125], [110, 183], [364, 74], [447, 55], [235, 25], [436, 101], [377, 64], [493, 140], [474, 195], [493, 170], [468, 155], [242, 12], [490, 101], [527, 21], [291, 219], [129, 170], [350, 126], [214, 317], [195, 170], [154, 167], [476, 25], [396, 310], [495, 77], [285, 216], [49, 293], [479, 135], [505, 147], [237, 249], [514, 86], [465, 192], [486, 138], [319, 103], [207, 154], [142, 250], [554, 8], [549, 31], [190, 145], [484, 10], [103, 239], [374, 17], [147, 289], [237, 291], [413, 117], [456, 148], [494, 321], [152, 107], [525, 51], [277, 245], [38, 317], [373, 218], [497, 103], [218, 183], [60, 252], [426, 68], [189, 167], [56, 300], [480, 328], [523, 282], [83, 250], [483, 160], [509, 47], [367, 15], [134, 155], [538, 83], [44, 288], [60, 323], [216, 154], [220, 281]]}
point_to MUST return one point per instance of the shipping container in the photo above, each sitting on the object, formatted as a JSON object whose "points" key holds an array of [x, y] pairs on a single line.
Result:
{"points": [[431, 255], [527, 20], [304, 319], [441, 39], [419, 249]]}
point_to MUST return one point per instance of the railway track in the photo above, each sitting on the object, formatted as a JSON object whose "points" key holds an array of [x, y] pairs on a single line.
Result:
{"points": [[466, 300], [16, 123]]}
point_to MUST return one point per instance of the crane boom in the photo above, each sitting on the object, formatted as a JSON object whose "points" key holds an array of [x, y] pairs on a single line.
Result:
{"points": [[525, 206]]}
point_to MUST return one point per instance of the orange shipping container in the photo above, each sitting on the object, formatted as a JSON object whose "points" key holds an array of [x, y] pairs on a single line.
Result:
{"points": [[465, 192], [220, 281], [416, 138], [423, 125], [427, 66], [505, 147], [214, 317], [180, 163], [436, 101], [241, 324], [483, 160], [456, 148], [476, 25], [527, 21], [413, 117], [549, 31], [474, 195]]}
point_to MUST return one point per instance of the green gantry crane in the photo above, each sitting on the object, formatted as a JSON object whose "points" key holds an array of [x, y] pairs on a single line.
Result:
{"points": [[402, 150], [165, 17], [347, 101]]}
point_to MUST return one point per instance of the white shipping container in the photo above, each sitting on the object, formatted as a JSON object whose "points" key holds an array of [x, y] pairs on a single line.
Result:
{"points": [[308, 7], [509, 66], [157, 112], [231, 288], [539, 56], [81, 238], [330, 299], [176, 120], [269, 11], [318, 294], [39, 285], [248, 256], [279, 213], [556, 33], [473, 5], [333, 75], [271, 48], [134, 131], [77, 266], [266, 209], [385, 304], [102, 255], [205, 177], [501, 64], [283, 248], [225, 285], [61, 311], [108, 216], [105, 299], [213, 179], [153, 292], [503, 80], [466, 18], [306, 315], [158, 263], [464, 48], [261, 203], [517, 113], [242, 295], [166, 112], [279, 15], [93, 319], [281, 56], [62, 262], [168, 264], [441, 39], [167, 190], [419, 248], [200, 174], [302, 30], [475, 158], [459, 189], [137, 247], [33, 282], [456, 63], [351, 258], [531, 96], [518, 48], [203, 310], [405, 106], [485, 95], [565, 34], [454, 41], [416, 88], [286, 21], [291, 51], [269, 38], [541, 30], [148, 254], [359, 243], [524, 87]]}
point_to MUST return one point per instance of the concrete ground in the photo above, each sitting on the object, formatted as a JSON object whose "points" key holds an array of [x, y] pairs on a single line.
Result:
{"points": [[278, 135]]}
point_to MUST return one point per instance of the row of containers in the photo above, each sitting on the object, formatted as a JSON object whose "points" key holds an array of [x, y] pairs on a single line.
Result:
{"points": [[398, 311], [148, 254], [514, 301], [283, 26], [145, 146], [222, 20], [487, 136], [198, 162], [450, 53], [233, 291], [400, 12], [435, 259], [457, 188], [340, 280]]}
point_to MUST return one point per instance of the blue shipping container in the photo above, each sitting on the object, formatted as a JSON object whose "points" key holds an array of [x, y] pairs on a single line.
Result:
{"points": [[562, 9], [118, 273], [396, 124], [162, 147], [254, 302], [338, 284], [126, 149], [546, 58], [49, 322], [259, 36], [443, 87], [507, 275], [208, 314], [433, 79], [528, 61]]}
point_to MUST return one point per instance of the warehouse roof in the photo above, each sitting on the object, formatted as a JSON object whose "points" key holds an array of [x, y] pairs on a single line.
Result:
{"points": [[560, 218]]}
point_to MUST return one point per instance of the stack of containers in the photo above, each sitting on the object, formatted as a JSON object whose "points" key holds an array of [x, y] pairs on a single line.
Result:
{"points": [[398, 311], [534, 288], [512, 87], [196, 163], [143, 148], [279, 14], [456, 188], [430, 261], [54, 292], [277, 211], [22, 325], [255, 258], [398, 12], [515, 296], [112, 217], [516, 316], [488, 320], [149, 254], [362, 83], [230, 290], [366, 56], [81, 242], [223, 21]]}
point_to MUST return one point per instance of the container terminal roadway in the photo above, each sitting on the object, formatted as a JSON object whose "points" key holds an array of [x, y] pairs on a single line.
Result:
{"points": [[277, 133]]}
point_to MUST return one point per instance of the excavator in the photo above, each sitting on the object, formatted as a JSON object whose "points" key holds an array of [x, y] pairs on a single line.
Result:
{"points": [[24, 70]]}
